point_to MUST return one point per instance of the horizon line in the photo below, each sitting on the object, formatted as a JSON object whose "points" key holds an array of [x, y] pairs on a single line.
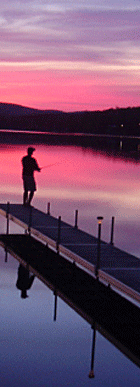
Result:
{"points": [[67, 112]]}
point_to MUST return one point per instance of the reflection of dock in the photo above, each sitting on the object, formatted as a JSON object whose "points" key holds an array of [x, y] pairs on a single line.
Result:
{"points": [[112, 315], [117, 268]]}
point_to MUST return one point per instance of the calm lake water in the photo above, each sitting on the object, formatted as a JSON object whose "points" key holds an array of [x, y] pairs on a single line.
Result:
{"points": [[35, 350]]}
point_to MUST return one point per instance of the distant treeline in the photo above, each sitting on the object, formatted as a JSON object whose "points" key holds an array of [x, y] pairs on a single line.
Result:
{"points": [[119, 121]]}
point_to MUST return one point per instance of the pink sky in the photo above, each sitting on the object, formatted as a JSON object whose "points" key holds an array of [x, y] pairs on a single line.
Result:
{"points": [[70, 55]]}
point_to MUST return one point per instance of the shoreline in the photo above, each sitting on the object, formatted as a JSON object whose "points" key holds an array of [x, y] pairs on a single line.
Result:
{"points": [[118, 147], [68, 134]]}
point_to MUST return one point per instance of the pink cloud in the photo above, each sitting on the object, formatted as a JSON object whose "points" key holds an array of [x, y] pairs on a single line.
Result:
{"points": [[70, 33], [75, 34]]}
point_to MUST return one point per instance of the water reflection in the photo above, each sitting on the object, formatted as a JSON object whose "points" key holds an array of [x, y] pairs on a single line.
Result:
{"points": [[103, 309], [39, 352], [80, 179], [124, 146], [91, 373], [35, 352], [24, 280]]}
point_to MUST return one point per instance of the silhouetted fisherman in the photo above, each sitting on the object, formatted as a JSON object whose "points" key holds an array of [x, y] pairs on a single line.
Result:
{"points": [[24, 281], [30, 165]]}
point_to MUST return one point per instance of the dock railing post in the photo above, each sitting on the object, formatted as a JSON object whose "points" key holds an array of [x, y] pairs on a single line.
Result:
{"points": [[76, 219], [59, 234], [112, 230], [48, 209], [99, 218]]}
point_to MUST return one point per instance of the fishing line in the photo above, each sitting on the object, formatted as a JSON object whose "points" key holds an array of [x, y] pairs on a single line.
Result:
{"points": [[57, 163], [50, 165]]}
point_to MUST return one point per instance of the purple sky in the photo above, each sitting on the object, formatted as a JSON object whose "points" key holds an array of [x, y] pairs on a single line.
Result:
{"points": [[70, 55]]}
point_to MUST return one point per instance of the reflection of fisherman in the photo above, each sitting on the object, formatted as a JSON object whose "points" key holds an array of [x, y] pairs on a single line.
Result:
{"points": [[24, 281], [30, 165]]}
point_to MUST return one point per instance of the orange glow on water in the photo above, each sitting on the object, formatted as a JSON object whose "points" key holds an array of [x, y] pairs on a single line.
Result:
{"points": [[72, 173], [79, 179]]}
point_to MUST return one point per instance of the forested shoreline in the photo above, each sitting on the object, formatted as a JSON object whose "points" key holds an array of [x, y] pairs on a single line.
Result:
{"points": [[119, 121]]}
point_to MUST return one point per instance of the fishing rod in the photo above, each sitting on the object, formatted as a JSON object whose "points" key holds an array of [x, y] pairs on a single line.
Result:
{"points": [[50, 165]]}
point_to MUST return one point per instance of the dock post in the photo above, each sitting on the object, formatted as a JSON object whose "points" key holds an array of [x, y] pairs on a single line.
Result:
{"points": [[59, 233], [76, 219], [99, 218], [91, 373], [48, 209], [112, 231], [7, 217], [30, 221]]}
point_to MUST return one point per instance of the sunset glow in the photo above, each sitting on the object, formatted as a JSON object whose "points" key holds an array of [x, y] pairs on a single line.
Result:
{"points": [[72, 175], [70, 55], [92, 182]]}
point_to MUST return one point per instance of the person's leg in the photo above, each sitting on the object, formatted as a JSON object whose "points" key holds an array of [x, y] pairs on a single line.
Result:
{"points": [[30, 197], [25, 196]]}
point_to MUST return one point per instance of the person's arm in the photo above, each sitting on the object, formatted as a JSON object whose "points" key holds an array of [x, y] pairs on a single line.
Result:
{"points": [[36, 166]]}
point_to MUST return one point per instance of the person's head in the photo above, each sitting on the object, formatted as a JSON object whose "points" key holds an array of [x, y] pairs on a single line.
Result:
{"points": [[24, 294], [30, 150]]}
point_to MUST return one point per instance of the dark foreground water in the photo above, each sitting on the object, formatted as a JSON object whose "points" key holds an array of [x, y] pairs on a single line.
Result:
{"points": [[38, 351], [35, 350]]}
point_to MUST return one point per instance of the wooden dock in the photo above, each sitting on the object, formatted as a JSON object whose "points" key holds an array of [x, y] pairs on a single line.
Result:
{"points": [[116, 318], [118, 269]]}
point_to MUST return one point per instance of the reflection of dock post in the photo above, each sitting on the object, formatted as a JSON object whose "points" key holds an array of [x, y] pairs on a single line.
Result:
{"points": [[7, 228], [91, 373], [6, 253], [48, 209], [121, 143], [112, 231], [7, 217], [99, 218], [55, 306], [76, 219], [59, 233], [30, 221]]}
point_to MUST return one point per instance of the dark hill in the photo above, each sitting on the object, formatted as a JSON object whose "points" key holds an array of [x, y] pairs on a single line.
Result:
{"points": [[121, 121], [17, 110]]}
